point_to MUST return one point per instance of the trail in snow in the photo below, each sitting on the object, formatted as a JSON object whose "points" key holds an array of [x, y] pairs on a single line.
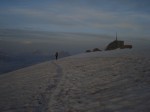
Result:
{"points": [[90, 82], [45, 97]]}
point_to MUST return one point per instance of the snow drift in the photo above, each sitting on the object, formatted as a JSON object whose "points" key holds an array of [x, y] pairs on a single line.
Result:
{"points": [[91, 82]]}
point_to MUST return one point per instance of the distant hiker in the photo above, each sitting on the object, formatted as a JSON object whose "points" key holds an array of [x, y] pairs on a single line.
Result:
{"points": [[56, 55]]}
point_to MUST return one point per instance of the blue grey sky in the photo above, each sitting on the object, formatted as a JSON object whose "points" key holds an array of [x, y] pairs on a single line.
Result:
{"points": [[72, 25], [130, 18]]}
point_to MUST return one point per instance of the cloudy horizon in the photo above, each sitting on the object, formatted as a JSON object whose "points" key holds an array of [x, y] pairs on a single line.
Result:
{"points": [[72, 23], [89, 16]]}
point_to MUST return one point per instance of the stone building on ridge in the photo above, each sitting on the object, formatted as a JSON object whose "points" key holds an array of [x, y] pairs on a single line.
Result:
{"points": [[117, 44]]}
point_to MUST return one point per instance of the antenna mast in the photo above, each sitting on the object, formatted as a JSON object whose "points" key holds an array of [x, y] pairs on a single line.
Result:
{"points": [[116, 36]]}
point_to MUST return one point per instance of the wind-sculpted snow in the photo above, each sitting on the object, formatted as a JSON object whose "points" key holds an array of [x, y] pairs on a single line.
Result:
{"points": [[91, 82], [105, 84]]}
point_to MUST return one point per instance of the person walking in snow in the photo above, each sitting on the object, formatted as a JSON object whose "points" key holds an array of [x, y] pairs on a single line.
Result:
{"points": [[56, 55]]}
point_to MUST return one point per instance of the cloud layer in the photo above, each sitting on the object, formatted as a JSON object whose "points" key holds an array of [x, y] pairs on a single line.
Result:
{"points": [[130, 18]]}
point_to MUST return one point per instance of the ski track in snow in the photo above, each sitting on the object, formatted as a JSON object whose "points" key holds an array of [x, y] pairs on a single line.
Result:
{"points": [[44, 98]]}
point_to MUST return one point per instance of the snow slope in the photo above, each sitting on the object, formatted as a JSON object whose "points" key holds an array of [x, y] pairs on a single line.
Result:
{"points": [[112, 81]]}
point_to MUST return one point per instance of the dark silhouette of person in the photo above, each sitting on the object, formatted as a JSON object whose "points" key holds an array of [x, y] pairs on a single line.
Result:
{"points": [[56, 55]]}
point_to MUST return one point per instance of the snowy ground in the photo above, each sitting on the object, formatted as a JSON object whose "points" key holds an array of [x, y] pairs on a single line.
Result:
{"points": [[113, 81]]}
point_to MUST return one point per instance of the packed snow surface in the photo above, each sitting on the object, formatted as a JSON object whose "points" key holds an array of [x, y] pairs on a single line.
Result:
{"points": [[108, 81]]}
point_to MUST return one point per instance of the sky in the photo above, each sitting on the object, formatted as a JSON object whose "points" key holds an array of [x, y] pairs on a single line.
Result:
{"points": [[129, 18]]}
